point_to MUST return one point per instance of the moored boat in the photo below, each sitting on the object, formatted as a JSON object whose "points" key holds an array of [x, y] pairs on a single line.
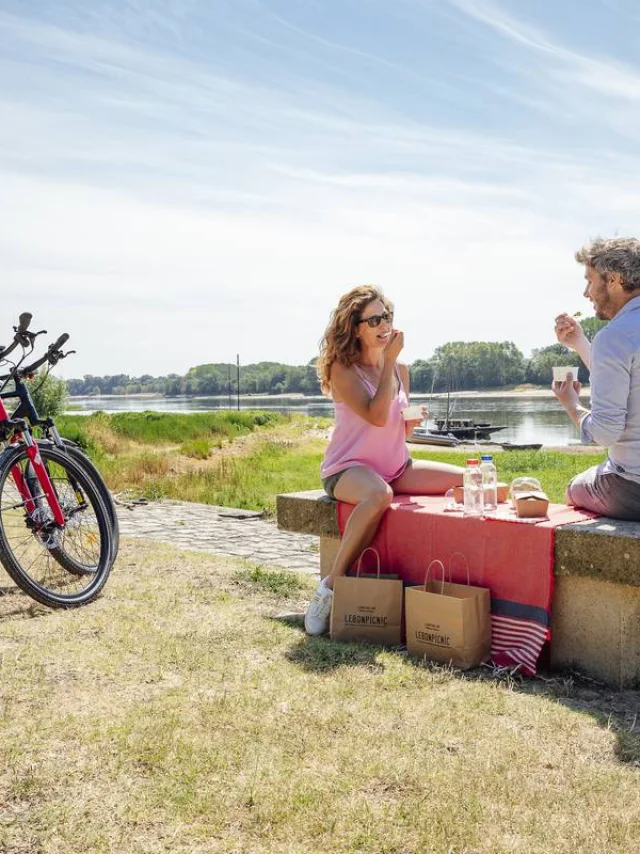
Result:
{"points": [[424, 436], [465, 429]]}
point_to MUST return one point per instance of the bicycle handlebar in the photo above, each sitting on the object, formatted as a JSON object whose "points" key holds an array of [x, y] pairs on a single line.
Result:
{"points": [[21, 337], [23, 321], [59, 344], [25, 338], [53, 356]]}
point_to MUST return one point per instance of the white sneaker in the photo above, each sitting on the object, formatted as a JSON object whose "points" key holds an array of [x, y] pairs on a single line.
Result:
{"points": [[316, 620]]}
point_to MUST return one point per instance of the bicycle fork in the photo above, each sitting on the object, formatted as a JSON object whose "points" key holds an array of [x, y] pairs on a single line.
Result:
{"points": [[42, 478]]}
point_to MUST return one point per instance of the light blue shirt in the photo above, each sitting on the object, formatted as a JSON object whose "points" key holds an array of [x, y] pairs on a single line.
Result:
{"points": [[614, 420]]}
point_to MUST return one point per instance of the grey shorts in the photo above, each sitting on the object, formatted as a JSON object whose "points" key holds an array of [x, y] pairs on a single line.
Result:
{"points": [[329, 483], [606, 494]]}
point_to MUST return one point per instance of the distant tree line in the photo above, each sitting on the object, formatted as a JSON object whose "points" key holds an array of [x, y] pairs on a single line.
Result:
{"points": [[458, 365], [212, 379]]}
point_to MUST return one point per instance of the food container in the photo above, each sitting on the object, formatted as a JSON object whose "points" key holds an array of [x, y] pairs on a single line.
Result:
{"points": [[523, 485], [560, 374], [531, 505], [413, 413]]}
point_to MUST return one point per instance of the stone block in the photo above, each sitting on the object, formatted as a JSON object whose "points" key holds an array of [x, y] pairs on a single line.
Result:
{"points": [[605, 549], [308, 513], [595, 627]]}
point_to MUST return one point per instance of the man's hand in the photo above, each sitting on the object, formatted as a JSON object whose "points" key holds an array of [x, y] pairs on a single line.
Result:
{"points": [[568, 394], [569, 332]]}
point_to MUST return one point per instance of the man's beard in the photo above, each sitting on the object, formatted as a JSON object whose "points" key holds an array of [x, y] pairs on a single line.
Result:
{"points": [[602, 313]]}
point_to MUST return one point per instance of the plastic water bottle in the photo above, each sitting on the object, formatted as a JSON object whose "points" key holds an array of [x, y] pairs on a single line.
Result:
{"points": [[473, 497], [489, 484]]}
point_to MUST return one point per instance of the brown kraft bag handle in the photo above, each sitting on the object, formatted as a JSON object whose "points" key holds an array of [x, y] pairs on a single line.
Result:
{"points": [[426, 575], [466, 563], [368, 549]]}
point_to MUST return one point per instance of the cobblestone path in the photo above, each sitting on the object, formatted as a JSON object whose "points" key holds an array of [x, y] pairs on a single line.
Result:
{"points": [[221, 531]]}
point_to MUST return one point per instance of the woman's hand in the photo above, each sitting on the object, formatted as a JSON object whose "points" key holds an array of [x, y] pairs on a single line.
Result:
{"points": [[569, 332], [410, 426], [394, 346]]}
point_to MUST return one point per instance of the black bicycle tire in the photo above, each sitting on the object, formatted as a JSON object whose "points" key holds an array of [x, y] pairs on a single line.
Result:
{"points": [[94, 474], [37, 591]]}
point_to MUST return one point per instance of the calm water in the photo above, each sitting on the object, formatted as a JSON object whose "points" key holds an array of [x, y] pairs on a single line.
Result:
{"points": [[527, 419]]}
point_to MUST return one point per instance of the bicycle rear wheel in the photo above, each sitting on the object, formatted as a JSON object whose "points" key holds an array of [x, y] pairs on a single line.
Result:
{"points": [[31, 542]]}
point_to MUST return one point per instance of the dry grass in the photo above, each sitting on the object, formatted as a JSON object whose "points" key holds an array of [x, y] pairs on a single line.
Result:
{"points": [[179, 713]]}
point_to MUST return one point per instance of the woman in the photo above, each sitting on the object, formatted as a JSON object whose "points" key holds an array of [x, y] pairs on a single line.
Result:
{"points": [[367, 460]]}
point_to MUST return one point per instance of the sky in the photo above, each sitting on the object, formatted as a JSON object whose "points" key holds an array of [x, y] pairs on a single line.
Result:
{"points": [[182, 181]]}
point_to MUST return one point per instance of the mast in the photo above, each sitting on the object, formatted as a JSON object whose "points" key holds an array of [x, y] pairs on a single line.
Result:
{"points": [[446, 423]]}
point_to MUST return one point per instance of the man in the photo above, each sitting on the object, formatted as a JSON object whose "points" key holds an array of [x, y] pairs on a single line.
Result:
{"points": [[612, 271]]}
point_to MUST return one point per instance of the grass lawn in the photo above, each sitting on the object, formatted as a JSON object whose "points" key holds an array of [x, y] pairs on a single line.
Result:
{"points": [[186, 711]]}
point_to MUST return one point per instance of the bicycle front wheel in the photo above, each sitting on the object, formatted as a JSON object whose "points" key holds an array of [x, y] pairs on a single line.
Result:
{"points": [[31, 541], [96, 478]]}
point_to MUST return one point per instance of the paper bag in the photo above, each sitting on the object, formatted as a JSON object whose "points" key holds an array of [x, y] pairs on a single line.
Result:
{"points": [[367, 609], [449, 623]]}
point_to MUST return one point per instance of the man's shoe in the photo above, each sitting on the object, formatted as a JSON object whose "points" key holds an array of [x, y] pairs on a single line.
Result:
{"points": [[316, 620]]}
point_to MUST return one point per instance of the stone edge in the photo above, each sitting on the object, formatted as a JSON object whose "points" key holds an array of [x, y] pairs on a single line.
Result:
{"points": [[310, 512]]}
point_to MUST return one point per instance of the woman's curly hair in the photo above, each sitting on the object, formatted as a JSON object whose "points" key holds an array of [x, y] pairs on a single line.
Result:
{"points": [[339, 342]]}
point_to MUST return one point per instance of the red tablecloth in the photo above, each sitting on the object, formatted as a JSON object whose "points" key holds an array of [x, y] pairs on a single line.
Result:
{"points": [[512, 557]]}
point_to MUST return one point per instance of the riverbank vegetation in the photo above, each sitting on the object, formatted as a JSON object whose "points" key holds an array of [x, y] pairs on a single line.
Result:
{"points": [[244, 459]]}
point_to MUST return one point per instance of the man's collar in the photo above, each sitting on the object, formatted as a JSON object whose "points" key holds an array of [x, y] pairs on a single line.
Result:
{"points": [[631, 305]]}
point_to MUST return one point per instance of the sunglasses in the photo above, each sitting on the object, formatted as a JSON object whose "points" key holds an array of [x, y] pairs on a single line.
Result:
{"points": [[376, 319]]}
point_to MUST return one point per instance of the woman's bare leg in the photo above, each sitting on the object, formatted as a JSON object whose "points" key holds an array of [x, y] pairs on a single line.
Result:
{"points": [[371, 495], [426, 477]]}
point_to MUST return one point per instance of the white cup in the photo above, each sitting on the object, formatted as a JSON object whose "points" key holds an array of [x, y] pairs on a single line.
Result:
{"points": [[413, 413], [560, 374]]}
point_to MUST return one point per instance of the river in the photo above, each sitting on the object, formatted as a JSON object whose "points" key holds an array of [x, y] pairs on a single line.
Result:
{"points": [[526, 419]]}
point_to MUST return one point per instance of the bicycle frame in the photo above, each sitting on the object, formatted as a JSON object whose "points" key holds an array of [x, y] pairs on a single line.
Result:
{"points": [[39, 468]]}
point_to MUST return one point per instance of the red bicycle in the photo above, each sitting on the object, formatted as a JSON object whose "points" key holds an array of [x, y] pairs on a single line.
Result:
{"points": [[55, 532]]}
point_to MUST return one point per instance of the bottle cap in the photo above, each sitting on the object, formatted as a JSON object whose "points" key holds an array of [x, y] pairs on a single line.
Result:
{"points": [[472, 462], [487, 457]]}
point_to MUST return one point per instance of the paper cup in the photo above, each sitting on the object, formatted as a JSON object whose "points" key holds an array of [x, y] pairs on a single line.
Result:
{"points": [[413, 413], [560, 374]]}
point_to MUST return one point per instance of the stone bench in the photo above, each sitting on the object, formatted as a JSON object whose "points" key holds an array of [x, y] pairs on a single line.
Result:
{"points": [[595, 620]]}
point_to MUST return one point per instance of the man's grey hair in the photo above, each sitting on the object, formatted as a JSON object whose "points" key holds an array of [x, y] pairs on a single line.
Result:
{"points": [[616, 255]]}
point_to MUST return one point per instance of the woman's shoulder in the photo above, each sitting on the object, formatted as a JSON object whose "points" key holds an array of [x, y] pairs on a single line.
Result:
{"points": [[340, 371], [344, 380]]}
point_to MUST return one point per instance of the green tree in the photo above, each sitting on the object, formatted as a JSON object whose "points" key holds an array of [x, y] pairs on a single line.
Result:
{"points": [[49, 393], [477, 364], [543, 359], [591, 325]]}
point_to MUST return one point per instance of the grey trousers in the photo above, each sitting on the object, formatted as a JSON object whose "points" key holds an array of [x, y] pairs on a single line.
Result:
{"points": [[606, 494]]}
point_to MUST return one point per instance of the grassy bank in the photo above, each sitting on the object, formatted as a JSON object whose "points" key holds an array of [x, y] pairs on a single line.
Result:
{"points": [[180, 713], [243, 459], [112, 432]]}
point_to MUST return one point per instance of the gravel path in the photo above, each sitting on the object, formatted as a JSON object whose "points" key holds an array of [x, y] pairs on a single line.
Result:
{"points": [[222, 531]]}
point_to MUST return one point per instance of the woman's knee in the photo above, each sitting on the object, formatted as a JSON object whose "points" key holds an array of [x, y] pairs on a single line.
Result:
{"points": [[380, 498]]}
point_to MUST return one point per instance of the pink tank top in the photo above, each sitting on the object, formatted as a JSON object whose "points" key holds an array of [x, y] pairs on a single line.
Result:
{"points": [[355, 442]]}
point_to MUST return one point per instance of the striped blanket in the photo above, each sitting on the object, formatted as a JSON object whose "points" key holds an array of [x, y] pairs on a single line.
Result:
{"points": [[512, 557]]}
